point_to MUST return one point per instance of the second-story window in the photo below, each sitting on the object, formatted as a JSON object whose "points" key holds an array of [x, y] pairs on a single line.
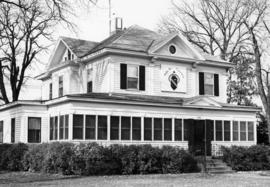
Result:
{"points": [[61, 88], [208, 84], [132, 77], [50, 91]]}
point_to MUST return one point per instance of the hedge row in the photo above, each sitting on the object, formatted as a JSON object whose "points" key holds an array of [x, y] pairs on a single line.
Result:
{"points": [[252, 158], [93, 159]]}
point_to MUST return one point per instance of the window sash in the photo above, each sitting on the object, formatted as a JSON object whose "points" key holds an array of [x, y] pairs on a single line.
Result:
{"points": [[125, 128], [235, 131], [12, 130], [132, 76], [34, 130], [219, 130], [208, 84], [148, 129], [102, 127], [178, 129], [157, 129], [90, 127], [250, 131], [227, 131], [168, 129], [243, 131], [115, 121], [136, 128], [78, 121], [61, 127]]}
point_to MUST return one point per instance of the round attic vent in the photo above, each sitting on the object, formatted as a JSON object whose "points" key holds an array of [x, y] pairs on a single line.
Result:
{"points": [[172, 49]]}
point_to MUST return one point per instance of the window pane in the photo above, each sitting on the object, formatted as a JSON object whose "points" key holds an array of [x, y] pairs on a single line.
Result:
{"points": [[61, 125], [115, 127], [132, 83], [102, 127], [147, 128], [235, 131], [51, 127], [12, 130], [89, 87], [218, 130], [208, 78], [243, 131], [227, 130], [167, 129], [66, 126], [34, 128], [125, 128], [132, 71], [178, 129], [250, 131], [157, 129], [1, 131], [208, 89], [136, 128], [77, 126], [55, 128], [90, 127]]}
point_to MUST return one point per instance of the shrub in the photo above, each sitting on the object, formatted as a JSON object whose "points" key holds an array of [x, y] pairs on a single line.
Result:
{"points": [[12, 156], [240, 158]]}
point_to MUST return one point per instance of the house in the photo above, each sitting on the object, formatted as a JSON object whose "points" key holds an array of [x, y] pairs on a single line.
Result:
{"points": [[135, 87]]}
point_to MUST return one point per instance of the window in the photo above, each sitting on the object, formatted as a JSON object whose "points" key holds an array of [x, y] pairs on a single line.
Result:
{"points": [[235, 131], [178, 129], [157, 129], [250, 131], [147, 128], [172, 49], [90, 127], [61, 86], [89, 80], [167, 129], [125, 128], [186, 129], [227, 131], [66, 126], [61, 127], [50, 91], [115, 127], [136, 128], [218, 130], [55, 128], [34, 130], [243, 131], [77, 126], [132, 77], [89, 87], [208, 84], [51, 128], [12, 130], [1, 131], [102, 127]]}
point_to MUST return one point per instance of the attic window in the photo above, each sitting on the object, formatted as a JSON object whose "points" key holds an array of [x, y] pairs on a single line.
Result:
{"points": [[172, 49]]}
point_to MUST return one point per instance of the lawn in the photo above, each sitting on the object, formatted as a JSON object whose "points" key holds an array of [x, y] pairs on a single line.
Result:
{"points": [[194, 179]]}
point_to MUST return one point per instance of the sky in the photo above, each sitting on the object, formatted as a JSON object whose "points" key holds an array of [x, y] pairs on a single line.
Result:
{"points": [[93, 24]]}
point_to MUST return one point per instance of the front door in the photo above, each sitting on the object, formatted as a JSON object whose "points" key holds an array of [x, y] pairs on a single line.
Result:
{"points": [[200, 135]]}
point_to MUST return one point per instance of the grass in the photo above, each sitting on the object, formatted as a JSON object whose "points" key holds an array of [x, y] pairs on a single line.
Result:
{"points": [[195, 179]]}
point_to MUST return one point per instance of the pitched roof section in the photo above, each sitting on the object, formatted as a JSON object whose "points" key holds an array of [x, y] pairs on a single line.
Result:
{"points": [[79, 47]]}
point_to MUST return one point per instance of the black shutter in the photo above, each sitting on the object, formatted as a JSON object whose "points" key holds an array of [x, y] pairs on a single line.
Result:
{"points": [[123, 76], [216, 85], [142, 78], [201, 83]]}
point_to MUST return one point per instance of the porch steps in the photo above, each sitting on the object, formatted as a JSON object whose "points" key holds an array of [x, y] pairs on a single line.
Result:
{"points": [[215, 166]]}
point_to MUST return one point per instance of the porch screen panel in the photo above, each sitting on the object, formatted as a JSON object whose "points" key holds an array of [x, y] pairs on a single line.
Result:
{"points": [[243, 131], [102, 127], [34, 130], [136, 128], [227, 130], [218, 130], [115, 127], [250, 131], [61, 126], [125, 128], [66, 126], [178, 129], [147, 128], [90, 127], [235, 131], [157, 129], [77, 126], [1, 131], [51, 128], [168, 129], [188, 129]]}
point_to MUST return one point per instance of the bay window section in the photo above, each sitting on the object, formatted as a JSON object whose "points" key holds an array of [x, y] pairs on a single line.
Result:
{"points": [[102, 127], [168, 129], [125, 128], [178, 129], [243, 131], [90, 127], [235, 131], [132, 77], [34, 130], [227, 131], [157, 129], [250, 131], [148, 129], [115, 127], [136, 128], [218, 130], [78, 126]]}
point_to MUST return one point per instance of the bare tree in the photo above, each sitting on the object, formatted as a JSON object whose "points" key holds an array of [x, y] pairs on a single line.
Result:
{"points": [[23, 24], [217, 28]]}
